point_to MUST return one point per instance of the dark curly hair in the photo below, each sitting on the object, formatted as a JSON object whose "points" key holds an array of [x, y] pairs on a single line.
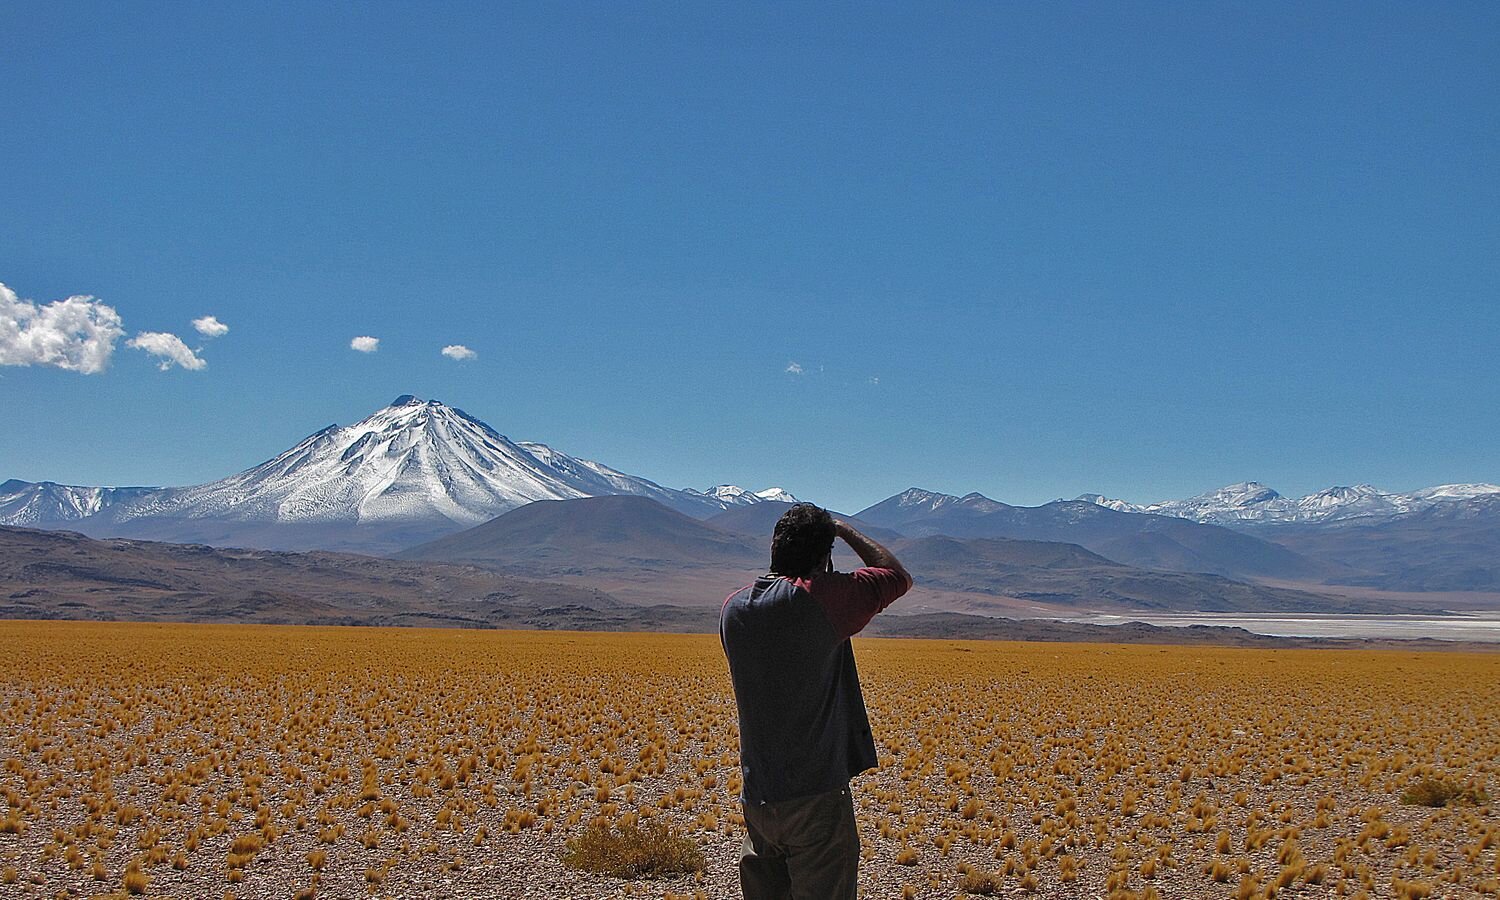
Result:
{"points": [[803, 537]]}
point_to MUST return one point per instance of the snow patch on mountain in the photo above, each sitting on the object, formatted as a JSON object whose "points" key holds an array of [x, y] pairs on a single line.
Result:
{"points": [[1110, 503], [734, 495], [914, 503], [46, 503], [1456, 492], [776, 495], [914, 499]]}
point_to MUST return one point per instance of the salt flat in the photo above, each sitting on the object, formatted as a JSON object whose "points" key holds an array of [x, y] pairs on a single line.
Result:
{"points": [[1469, 625]]}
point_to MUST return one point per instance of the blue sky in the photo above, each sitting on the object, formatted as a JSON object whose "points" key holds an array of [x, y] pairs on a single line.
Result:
{"points": [[1025, 249]]}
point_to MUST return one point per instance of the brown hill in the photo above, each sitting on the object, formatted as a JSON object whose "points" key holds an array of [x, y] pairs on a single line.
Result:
{"points": [[758, 520], [1067, 575], [63, 574], [594, 536]]}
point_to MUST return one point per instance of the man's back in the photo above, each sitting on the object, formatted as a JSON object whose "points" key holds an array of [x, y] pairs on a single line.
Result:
{"points": [[803, 725]]}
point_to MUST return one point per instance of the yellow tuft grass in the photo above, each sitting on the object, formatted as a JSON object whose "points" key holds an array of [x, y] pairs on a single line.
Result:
{"points": [[1082, 770], [633, 851]]}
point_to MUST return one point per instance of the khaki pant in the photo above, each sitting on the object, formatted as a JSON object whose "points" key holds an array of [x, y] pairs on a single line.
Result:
{"points": [[802, 849]]}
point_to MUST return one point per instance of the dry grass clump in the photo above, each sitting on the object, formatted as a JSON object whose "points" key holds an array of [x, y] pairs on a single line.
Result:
{"points": [[632, 850], [981, 882], [1436, 792]]}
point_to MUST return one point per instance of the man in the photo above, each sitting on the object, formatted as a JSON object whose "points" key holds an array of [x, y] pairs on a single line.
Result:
{"points": [[804, 731]]}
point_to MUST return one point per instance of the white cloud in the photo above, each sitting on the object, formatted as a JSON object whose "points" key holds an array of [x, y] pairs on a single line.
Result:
{"points": [[793, 368], [210, 326], [77, 334], [459, 352], [169, 347], [874, 379], [365, 344]]}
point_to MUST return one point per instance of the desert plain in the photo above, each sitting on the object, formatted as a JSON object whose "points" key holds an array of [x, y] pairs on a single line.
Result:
{"points": [[246, 761]]}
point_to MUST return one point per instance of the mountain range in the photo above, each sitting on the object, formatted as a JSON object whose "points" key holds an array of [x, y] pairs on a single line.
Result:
{"points": [[424, 480], [1252, 503], [1138, 539], [412, 471], [1443, 538]]}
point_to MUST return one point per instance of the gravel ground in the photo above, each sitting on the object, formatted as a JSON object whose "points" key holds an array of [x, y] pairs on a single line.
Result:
{"points": [[458, 764]]}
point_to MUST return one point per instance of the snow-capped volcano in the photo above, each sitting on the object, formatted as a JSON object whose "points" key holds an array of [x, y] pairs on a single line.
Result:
{"points": [[1253, 503], [415, 461]]}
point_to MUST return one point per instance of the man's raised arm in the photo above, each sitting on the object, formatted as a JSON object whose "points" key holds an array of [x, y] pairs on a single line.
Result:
{"points": [[870, 552]]}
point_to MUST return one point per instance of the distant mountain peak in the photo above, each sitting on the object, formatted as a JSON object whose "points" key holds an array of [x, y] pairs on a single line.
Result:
{"points": [[731, 495], [407, 400], [915, 496], [776, 495], [1458, 491], [1243, 493], [1107, 502], [916, 502]]}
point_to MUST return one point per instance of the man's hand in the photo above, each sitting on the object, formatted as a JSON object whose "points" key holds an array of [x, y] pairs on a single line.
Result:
{"points": [[869, 551]]}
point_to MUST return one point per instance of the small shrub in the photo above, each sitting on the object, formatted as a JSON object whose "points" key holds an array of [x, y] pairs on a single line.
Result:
{"points": [[1411, 890], [633, 851], [136, 881], [1067, 868], [1437, 792], [977, 881]]}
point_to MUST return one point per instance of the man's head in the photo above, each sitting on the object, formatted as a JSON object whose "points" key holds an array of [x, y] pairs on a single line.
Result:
{"points": [[802, 541]]}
